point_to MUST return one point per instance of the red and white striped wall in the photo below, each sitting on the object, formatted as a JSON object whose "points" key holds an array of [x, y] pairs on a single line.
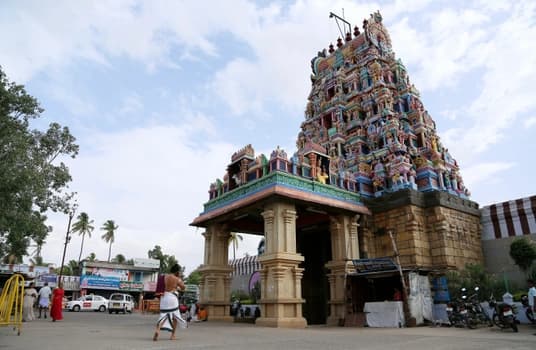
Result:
{"points": [[509, 219], [245, 266]]}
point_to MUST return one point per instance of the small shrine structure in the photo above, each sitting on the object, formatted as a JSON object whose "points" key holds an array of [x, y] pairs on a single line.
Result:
{"points": [[369, 165]]}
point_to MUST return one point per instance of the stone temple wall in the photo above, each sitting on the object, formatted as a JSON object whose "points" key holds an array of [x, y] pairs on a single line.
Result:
{"points": [[432, 230]]}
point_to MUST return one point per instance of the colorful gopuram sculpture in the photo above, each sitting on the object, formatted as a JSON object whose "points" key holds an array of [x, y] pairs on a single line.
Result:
{"points": [[365, 130]]}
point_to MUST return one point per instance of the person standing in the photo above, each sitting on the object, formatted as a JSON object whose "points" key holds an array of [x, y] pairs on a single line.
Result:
{"points": [[44, 299], [30, 295], [169, 303], [57, 303]]}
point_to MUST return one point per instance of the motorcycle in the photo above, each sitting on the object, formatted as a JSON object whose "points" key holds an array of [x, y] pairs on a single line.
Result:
{"points": [[528, 310], [476, 314], [457, 312], [504, 315]]}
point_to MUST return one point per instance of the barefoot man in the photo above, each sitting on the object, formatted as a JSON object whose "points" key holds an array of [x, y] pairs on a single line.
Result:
{"points": [[169, 303]]}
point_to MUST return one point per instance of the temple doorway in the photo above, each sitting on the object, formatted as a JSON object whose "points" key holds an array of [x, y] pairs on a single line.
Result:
{"points": [[315, 245]]}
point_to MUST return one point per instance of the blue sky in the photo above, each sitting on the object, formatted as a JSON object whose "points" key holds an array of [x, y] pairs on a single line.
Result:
{"points": [[160, 93]]}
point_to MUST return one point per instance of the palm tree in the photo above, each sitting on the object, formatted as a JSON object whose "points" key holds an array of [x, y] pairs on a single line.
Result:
{"points": [[83, 227], [74, 266], [233, 239], [91, 257], [109, 228]]}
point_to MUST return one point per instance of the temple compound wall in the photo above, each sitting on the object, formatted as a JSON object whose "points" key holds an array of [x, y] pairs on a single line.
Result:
{"points": [[501, 224]]}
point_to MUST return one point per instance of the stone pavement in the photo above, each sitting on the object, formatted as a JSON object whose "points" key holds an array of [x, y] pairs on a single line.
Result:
{"points": [[91, 330]]}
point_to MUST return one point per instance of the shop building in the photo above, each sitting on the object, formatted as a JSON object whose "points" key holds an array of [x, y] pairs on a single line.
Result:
{"points": [[104, 278]]}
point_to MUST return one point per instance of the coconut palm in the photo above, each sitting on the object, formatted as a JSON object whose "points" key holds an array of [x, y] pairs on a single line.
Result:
{"points": [[233, 239], [91, 257], [83, 227], [109, 228]]}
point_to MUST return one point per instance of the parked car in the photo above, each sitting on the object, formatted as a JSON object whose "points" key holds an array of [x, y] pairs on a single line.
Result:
{"points": [[88, 302], [120, 302]]}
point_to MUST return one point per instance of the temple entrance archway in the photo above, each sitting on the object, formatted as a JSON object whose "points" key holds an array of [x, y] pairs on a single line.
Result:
{"points": [[314, 244], [311, 236]]}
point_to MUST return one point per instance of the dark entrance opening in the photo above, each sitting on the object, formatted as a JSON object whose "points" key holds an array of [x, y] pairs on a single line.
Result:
{"points": [[372, 288], [315, 245]]}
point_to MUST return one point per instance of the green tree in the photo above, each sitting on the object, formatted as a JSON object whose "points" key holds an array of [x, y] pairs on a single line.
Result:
{"points": [[474, 275], [523, 251], [83, 226], [39, 238], [109, 228], [91, 257], [67, 271], [166, 261], [234, 239], [32, 180], [119, 259], [193, 278], [74, 266]]}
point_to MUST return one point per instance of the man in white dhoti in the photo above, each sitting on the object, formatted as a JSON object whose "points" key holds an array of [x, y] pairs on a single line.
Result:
{"points": [[169, 304], [44, 299]]}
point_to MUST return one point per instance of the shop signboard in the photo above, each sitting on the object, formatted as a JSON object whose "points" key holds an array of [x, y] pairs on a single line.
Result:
{"points": [[150, 263], [149, 286], [96, 282], [131, 286], [365, 266], [51, 279]]}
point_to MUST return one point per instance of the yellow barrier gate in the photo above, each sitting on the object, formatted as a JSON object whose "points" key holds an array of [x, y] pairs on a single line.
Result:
{"points": [[11, 302]]}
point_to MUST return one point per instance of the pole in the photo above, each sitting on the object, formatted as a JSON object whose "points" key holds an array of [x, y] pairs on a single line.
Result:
{"points": [[402, 279], [67, 239]]}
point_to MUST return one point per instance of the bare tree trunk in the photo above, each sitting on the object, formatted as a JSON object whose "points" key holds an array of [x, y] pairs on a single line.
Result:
{"points": [[109, 251]]}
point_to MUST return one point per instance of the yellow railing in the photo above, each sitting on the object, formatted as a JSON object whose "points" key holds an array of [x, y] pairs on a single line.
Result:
{"points": [[11, 301]]}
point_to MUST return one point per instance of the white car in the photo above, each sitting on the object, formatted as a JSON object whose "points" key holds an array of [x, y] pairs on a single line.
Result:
{"points": [[89, 302], [120, 302]]}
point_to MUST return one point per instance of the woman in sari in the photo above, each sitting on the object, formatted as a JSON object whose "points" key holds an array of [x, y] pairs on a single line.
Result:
{"points": [[57, 303], [30, 294]]}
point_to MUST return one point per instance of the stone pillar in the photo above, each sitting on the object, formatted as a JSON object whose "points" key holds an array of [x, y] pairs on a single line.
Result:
{"points": [[344, 248], [216, 274], [281, 297]]}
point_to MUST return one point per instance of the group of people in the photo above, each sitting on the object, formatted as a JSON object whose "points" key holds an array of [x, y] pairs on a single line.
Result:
{"points": [[44, 300]]}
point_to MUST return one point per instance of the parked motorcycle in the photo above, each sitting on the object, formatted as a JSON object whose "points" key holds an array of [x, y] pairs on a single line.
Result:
{"points": [[504, 315], [528, 310], [475, 313], [458, 313]]}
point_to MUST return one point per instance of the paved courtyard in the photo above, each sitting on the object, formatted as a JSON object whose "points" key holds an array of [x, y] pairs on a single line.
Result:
{"points": [[90, 330]]}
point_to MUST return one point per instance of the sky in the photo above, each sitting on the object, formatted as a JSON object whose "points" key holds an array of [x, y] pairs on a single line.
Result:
{"points": [[159, 94]]}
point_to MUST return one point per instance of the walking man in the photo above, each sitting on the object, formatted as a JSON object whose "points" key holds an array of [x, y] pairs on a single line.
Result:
{"points": [[169, 303], [44, 299]]}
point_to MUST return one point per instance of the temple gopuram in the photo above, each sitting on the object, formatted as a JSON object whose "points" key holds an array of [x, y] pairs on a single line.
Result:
{"points": [[371, 194]]}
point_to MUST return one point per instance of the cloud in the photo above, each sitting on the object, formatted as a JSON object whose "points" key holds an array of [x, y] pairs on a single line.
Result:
{"points": [[529, 122], [484, 174], [131, 104], [506, 93], [152, 182]]}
